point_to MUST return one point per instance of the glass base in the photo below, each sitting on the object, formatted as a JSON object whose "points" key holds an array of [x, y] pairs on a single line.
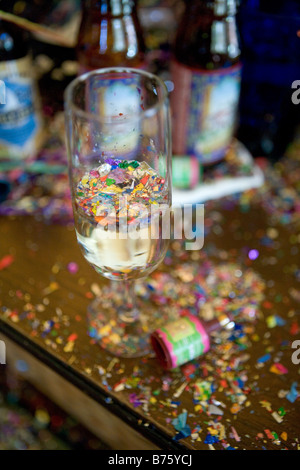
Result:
{"points": [[121, 334]]}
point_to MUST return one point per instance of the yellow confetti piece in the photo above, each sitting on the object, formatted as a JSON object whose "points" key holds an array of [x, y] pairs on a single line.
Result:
{"points": [[105, 330], [222, 434], [212, 431], [271, 321], [266, 404], [115, 338], [55, 268], [112, 364], [42, 416], [53, 286], [69, 347], [255, 337], [235, 408]]}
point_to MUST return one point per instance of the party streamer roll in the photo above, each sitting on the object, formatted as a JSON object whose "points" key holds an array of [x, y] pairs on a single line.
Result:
{"points": [[185, 339]]}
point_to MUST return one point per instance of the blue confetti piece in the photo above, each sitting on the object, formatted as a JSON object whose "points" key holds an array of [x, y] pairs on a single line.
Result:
{"points": [[240, 383], [185, 432], [179, 423], [151, 287], [92, 332], [279, 321], [293, 393], [264, 358], [211, 439]]}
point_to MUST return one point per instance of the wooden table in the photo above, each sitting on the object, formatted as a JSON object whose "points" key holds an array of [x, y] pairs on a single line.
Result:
{"points": [[240, 395]]}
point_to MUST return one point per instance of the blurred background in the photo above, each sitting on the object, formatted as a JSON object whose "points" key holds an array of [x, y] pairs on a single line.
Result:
{"points": [[269, 36]]}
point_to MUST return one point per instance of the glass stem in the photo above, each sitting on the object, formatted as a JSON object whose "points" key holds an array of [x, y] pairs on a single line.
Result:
{"points": [[128, 311]]}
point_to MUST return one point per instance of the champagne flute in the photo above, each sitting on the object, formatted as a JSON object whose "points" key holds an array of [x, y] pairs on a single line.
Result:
{"points": [[119, 148]]}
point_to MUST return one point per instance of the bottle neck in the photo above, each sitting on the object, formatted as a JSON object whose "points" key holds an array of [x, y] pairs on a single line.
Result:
{"points": [[110, 7]]}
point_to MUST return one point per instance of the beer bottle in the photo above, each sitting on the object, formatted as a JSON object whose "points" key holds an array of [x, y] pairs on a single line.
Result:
{"points": [[110, 35], [20, 121], [205, 71]]}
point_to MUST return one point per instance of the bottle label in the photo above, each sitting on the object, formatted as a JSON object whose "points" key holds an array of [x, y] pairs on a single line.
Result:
{"points": [[184, 339], [19, 121], [204, 106]]}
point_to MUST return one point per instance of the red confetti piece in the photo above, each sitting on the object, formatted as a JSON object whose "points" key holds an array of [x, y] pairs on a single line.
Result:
{"points": [[72, 337], [223, 383], [6, 261], [188, 369], [269, 434], [295, 329]]}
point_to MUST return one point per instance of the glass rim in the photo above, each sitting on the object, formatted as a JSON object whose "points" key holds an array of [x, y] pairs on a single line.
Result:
{"points": [[70, 106]]}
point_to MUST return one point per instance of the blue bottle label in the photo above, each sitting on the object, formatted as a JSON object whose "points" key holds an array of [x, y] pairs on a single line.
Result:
{"points": [[19, 119], [204, 106]]}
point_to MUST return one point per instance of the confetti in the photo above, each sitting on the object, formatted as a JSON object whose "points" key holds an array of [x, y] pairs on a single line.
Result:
{"points": [[222, 388], [293, 393], [278, 368], [264, 358], [73, 267], [6, 261]]}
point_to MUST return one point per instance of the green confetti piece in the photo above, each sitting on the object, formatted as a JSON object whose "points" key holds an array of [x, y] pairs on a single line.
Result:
{"points": [[123, 164]]}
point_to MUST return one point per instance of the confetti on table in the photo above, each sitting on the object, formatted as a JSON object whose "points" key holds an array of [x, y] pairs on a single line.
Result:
{"points": [[278, 368], [236, 275], [6, 261], [293, 393]]}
